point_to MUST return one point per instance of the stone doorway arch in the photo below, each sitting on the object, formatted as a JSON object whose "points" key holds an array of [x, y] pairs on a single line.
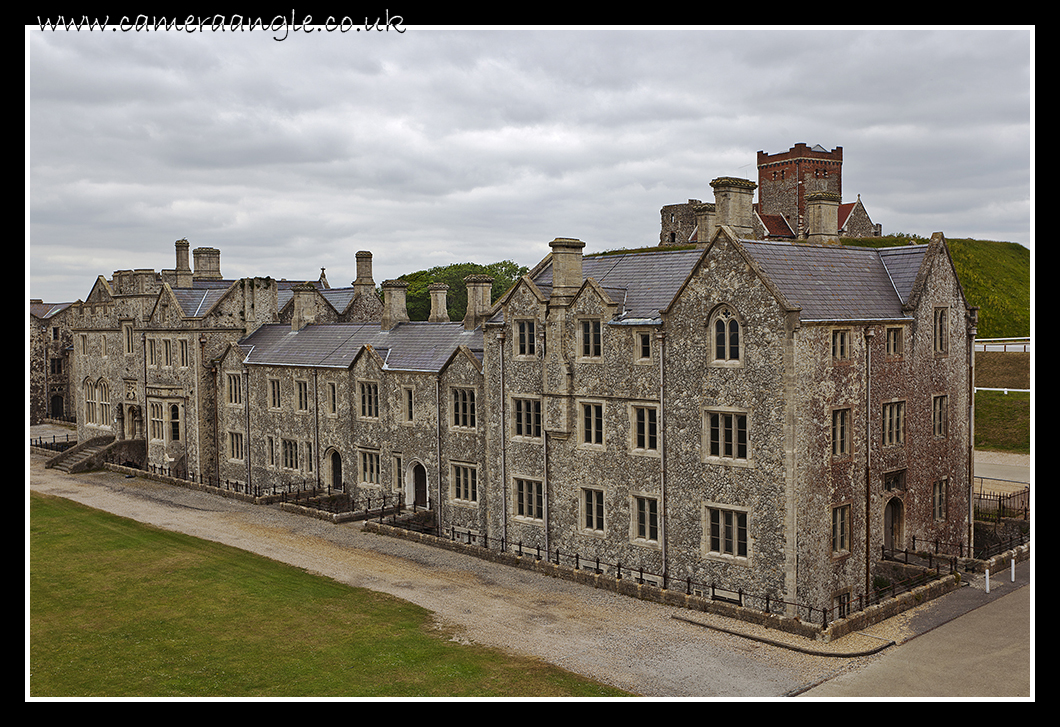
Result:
{"points": [[334, 470], [419, 485]]}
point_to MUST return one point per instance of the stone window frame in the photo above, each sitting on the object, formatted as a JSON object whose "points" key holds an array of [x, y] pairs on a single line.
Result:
{"points": [[528, 500], [235, 446], [185, 359], [940, 499], [597, 429], [592, 511], [524, 341], [289, 459], [724, 524], [275, 394], [895, 342], [730, 315], [892, 423], [333, 399], [368, 390], [463, 409], [408, 404], [645, 527], [940, 416], [639, 343], [156, 430], [651, 439], [940, 330], [708, 439], [841, 529], [234, 388], [463, 483], [841, 438], [128, 339], [841, 341], [301, 387], [526, 417], [368, 467], [590, 338]]}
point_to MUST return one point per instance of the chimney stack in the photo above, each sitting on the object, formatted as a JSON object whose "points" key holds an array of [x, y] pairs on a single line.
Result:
{"points": [[566, 268], [439, 304], [364, 285], [822, 212], [207, 263], [705, 224], [395, 309], [478, 300], [734, 204], [305, 306]]}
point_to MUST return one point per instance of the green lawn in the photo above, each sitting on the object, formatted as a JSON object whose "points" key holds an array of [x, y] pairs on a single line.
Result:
{"points": [[1003, 421], [119, 609]]}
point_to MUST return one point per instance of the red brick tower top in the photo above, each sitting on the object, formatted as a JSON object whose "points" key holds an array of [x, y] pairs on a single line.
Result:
{"points": [[784, 180]]}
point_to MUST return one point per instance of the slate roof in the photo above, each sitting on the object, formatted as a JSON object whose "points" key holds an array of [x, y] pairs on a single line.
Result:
{"points": [[837, 282], [194, 302], [411, 346], [642, 282], [46, 310]]}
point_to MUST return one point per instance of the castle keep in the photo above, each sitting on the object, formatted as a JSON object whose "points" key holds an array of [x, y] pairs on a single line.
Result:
{"points": [[765, 415]]}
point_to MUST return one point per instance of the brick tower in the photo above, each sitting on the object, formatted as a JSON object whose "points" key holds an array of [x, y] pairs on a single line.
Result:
{"points": [[785, 178]]}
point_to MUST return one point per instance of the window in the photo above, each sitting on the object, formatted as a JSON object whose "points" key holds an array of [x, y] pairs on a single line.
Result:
{"points": [[370, 468], [895, 342], [90, 402], [840, 529], [941, 331], [527, 345], [727, 435], [270, 443], [940, 415], [289, 448], [593, 510], [174, 422], [645, 435], [529, 499], [465, 483], [527, 418], [408, 400], [127, 330], [308, 455], [840, 432], [369, 400], [274, 393], [235, 445], [939, 499], [152, 352], [399, 471], [84, 344], [157, 427], [303, 395], [592, 344], [894, 423], [644, 346], [57, 366], [103, 397], [726, 330], [727, 532], [464, 408], [841, 345], [55, 333], [235, 391], [647, 525], [167, 352], [593, 424], [333, 398], [184, 354]]}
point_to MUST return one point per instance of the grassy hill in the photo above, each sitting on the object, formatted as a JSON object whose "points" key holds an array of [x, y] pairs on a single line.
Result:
{"points": [[996, 276]]}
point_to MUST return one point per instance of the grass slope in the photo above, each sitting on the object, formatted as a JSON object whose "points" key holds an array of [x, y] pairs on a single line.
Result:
{"points": [[120, 609]]}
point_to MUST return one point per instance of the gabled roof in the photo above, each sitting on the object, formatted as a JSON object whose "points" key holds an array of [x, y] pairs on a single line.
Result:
{"points": [[833, 282], [196, 302], [776, 225], [411, 346], [642, 282]]}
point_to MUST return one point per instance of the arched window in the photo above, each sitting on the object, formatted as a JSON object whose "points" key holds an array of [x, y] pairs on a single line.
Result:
{"points": [[174, 421], [90, 402], [103, 397], [726, 330]]}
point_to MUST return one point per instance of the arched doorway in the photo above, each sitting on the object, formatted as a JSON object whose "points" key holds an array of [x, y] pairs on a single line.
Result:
{"points": [[892, 524], [335, 469], [419, 484], [57, 406]]}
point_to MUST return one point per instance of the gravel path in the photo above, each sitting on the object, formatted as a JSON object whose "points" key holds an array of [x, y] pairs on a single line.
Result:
{"points": [[634, 645]]}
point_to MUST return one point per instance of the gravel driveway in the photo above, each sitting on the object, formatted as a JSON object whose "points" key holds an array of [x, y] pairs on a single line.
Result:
{"points": [[634, 645]]}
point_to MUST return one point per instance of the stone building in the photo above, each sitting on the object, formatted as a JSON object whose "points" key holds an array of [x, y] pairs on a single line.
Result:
{"points": [[761, 415], [787, 182], [49, 361]]}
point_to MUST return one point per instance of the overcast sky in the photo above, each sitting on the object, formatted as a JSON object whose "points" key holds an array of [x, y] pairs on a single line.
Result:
{"points": [[436, 146]]}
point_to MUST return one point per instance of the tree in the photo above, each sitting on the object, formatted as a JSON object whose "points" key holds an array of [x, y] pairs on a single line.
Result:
{"points": [[418, 296]]}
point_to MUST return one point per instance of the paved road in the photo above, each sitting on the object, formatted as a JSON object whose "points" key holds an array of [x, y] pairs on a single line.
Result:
{"points": [[631, 644]]}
